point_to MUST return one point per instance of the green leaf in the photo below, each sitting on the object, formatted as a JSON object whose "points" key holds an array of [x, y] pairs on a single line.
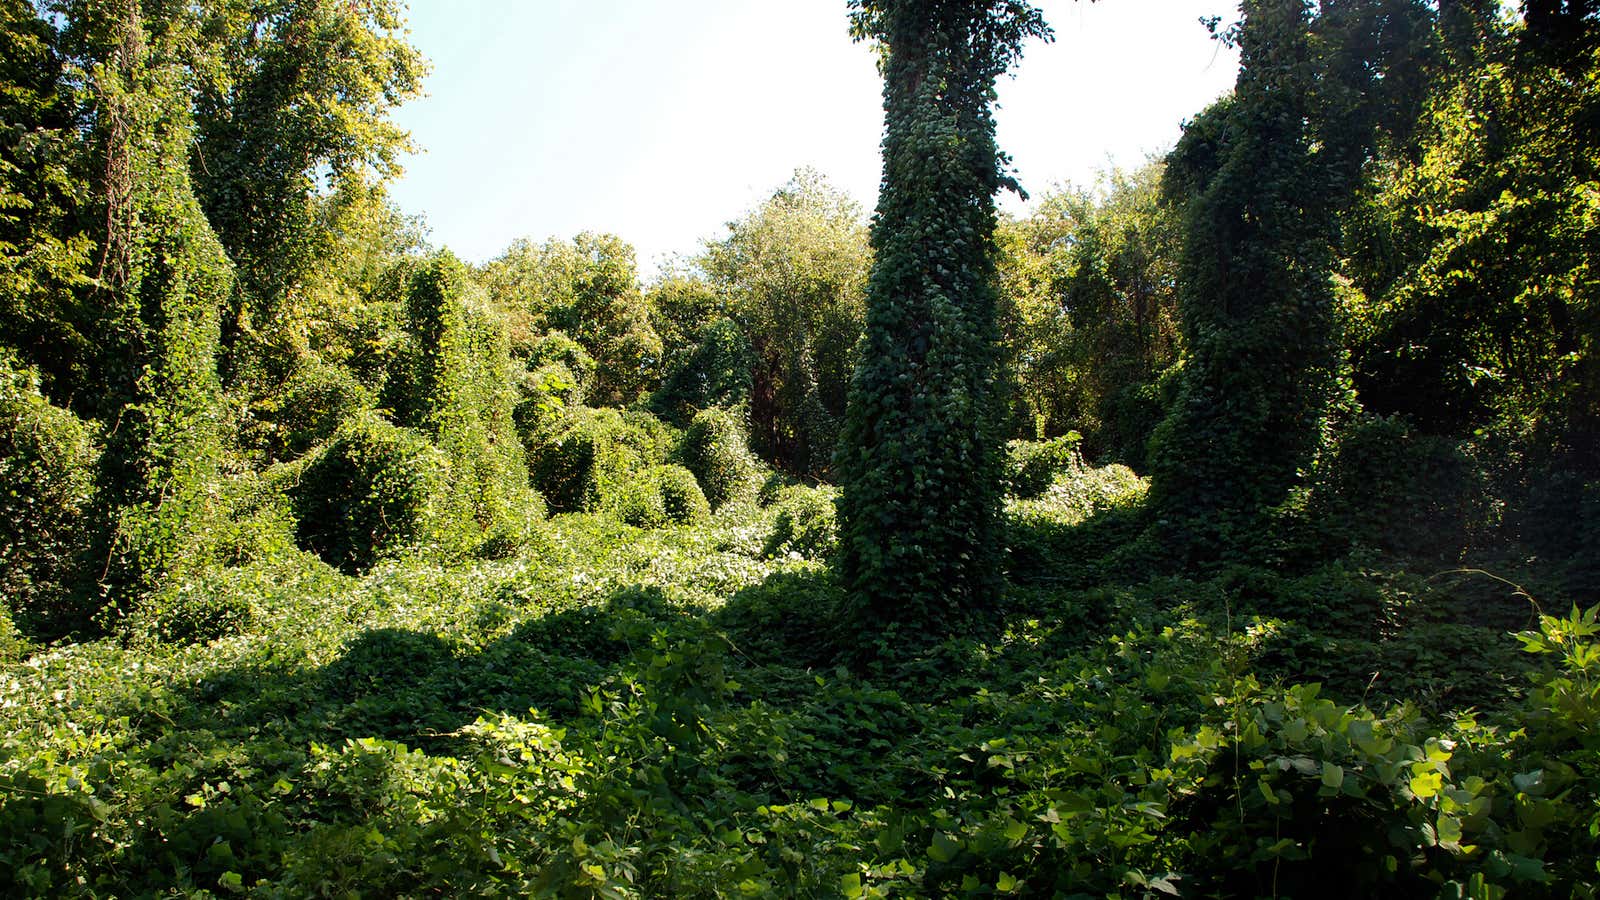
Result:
{"points": [[1449, 831], [1426, 784], [1332, 775], [1529, 782], [944, 847]]}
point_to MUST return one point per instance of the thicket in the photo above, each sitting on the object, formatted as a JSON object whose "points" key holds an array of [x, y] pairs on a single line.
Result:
{"points": [[281, 611], [1089, 313], [713, 370], [806, 525], [47, 463], [587, 288], [310, 405], [1151, 748]]}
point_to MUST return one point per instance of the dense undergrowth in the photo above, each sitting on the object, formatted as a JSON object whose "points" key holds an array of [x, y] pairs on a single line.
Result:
{"points": [[331, 565], [674, 712]]}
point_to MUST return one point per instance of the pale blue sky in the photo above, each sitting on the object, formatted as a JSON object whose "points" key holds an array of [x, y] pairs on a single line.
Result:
{"points": [[661, 120]]}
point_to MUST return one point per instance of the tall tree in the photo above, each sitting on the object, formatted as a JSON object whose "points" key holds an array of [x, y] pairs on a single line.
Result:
{"points": [[919, 459], [161, 277], [795, 270], [44, 248], [1262, 176], [290, 90]]}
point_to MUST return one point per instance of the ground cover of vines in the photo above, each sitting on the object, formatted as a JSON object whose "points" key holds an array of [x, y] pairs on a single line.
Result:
{"points": [[1227, 528], [669, 711]]}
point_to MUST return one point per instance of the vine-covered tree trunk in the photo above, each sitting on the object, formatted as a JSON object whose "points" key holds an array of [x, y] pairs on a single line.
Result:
{"points": [[1263, 176], [919, 459], [163, 276], [1257, 306]]}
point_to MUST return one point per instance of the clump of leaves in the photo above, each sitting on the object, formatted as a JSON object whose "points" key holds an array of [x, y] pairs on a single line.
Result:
{"points": [[806, 524], [379, 491], [13, 646], [714, 448], [306, 411], [660, 495], [195, 611], [1031, 466]]}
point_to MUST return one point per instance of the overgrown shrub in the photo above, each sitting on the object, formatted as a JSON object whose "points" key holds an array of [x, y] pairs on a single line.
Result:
{"points": [[377, 492], [715, 450], [1032, 465], [772, 486], [557, 349], [1078, 493], [660, 495], [807, 523], [46, 479], [258, 524], [583, 458], [685, 503], [716, 373], [638, 503], [1389, 488], [309, 407], [651, 440]]}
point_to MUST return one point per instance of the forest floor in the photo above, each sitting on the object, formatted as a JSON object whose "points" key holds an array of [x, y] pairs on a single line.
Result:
{"points": [[674, 712]]}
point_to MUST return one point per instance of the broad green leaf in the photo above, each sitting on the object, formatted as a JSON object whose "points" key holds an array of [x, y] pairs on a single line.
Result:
{"points": [[1332, 775], [1426, 784]]}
